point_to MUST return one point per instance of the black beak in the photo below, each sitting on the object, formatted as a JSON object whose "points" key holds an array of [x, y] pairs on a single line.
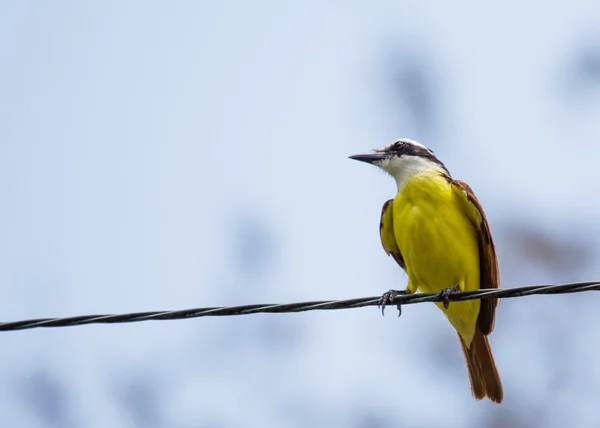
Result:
{"points": [[369, 157]]}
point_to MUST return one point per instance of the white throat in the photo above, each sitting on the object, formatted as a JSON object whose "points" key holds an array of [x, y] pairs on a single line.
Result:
{"points": [[404, 167]]}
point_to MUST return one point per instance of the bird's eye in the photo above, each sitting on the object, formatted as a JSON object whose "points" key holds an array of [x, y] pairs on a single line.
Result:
{"points": [[398, 144]]}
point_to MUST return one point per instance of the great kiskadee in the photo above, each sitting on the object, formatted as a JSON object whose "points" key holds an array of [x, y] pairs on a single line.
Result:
{"points": [[436, 230]]}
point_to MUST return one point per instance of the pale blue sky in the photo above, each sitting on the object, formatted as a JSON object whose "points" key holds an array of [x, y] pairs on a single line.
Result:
{"points": [[159, 155]]}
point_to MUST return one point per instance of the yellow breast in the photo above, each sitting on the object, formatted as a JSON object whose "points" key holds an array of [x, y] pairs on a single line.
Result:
{"points": [[439, 244]]}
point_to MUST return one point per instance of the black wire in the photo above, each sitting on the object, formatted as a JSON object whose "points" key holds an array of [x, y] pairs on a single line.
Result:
{"points": [[297, 307]]}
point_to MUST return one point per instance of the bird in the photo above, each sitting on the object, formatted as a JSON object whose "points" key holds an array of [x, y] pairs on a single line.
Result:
{"points": [[436, 230]]}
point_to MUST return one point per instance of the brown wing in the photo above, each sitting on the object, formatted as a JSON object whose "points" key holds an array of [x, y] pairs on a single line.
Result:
{"points": [[488, 262], [386, 231]]}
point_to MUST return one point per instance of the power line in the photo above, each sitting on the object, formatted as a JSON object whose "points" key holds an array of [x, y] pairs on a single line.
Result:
{"points": [[405, 299]]}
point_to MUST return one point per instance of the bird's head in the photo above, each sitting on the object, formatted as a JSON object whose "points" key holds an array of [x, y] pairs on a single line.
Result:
{"points": [[402, 159]]}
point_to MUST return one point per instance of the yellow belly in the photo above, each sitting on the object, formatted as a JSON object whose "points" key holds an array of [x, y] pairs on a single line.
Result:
{"points": [[439, 245]]}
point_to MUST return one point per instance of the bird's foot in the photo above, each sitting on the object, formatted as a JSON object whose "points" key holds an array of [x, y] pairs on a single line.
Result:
{"points": [[388, 299], [445, 294]]}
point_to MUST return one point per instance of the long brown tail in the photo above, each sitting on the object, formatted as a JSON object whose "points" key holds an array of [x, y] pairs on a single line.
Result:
{"points": [[485, 380]]}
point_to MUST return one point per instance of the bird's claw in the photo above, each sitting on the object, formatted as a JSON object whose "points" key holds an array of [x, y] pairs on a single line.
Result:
{"points": [[445, 294], [388, 297]]}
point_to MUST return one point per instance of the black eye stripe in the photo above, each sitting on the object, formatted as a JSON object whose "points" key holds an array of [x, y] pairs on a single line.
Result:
{"points": [[399, 145], [403, 148]]}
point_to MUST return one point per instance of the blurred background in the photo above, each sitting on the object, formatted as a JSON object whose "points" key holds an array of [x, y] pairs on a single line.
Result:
{"points": [[161, 156]]}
